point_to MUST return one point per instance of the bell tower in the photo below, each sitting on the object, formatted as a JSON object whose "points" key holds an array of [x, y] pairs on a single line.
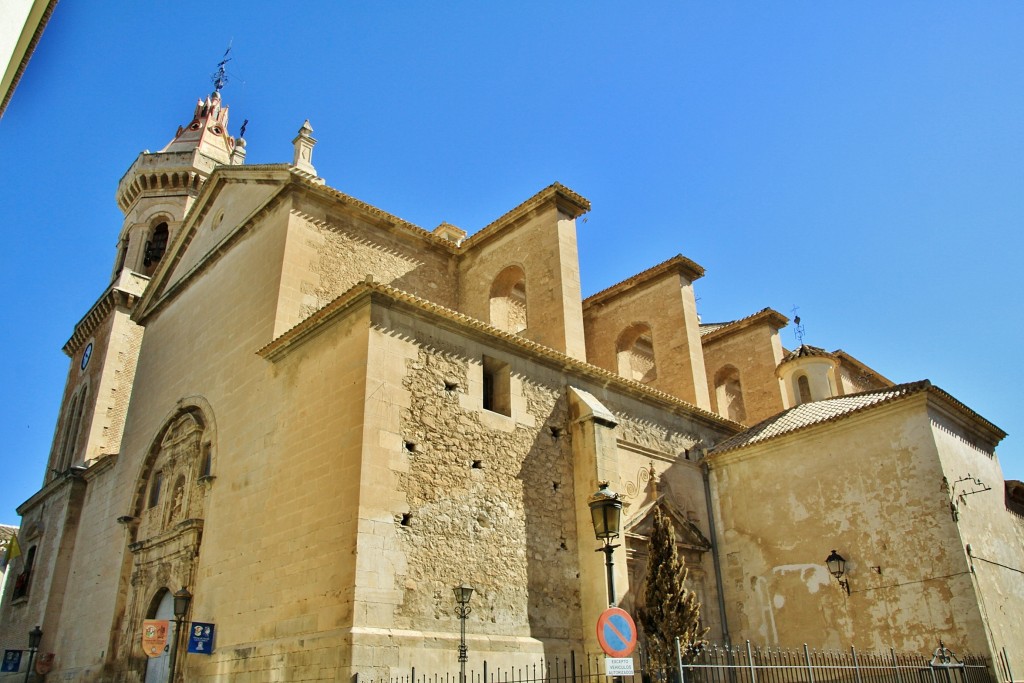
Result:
{"points": [[159, 188]]}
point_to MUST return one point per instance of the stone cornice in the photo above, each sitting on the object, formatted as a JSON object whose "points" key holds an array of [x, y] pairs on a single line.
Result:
{"points": [[678, 264], [380, 217], [567, 201], [767, 316], [291, 180], [124, 293], [372, 293]]}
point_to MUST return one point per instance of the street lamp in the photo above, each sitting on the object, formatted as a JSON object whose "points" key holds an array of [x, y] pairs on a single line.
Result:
{"points": [[836, 564], [606, 511], [182, 598], [462, 595], [34, 638]]}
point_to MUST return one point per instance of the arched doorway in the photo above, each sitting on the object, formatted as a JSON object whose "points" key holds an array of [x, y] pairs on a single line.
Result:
{"points": [[157, 668]]}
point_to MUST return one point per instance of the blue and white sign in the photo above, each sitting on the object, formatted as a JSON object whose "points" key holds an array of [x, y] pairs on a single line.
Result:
{"points": [[200, 638], [12, 661]]}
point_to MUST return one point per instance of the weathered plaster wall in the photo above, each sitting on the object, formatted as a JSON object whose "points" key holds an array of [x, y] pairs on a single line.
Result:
{"points": [[869, 486], [994, 534]]}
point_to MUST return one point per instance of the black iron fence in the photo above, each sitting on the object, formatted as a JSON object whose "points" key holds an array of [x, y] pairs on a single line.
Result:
{"points": [[741, 664]]}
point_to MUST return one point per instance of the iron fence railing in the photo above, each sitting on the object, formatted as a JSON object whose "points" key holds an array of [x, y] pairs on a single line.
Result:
{"points": [[742, 664]]}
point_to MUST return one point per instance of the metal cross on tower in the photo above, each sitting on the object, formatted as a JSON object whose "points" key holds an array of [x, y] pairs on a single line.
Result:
{"points": [[798, 329], [220, 76]]}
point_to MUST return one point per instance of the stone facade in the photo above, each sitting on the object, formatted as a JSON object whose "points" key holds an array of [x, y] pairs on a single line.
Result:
{"points": [[320, 418]]}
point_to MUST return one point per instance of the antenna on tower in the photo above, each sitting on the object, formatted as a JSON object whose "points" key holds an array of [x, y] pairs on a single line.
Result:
{"points": [[220, 76], [798, 329]]}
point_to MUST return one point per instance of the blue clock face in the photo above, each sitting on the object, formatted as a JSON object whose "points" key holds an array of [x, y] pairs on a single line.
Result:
{"points": [[86, 355]]}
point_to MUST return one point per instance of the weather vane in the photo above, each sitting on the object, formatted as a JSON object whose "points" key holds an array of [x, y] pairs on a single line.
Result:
{"points": [[798, 329], [220, 76]]}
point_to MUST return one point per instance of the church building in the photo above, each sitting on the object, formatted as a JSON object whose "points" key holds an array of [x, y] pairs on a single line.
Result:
{"points": [[318, 419]]}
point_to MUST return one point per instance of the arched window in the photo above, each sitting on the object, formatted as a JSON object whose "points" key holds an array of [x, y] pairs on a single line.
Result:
{"points": [[508, 300], [157, 244], [729, 392], [803, 388], [70, 433], [635, 353]]}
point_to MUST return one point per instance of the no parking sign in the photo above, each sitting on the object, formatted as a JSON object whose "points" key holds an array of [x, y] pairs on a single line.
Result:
{"points": [[616, 632]]}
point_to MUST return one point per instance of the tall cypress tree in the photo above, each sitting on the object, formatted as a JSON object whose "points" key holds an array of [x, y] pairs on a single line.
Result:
{"points": [[671, 609]]}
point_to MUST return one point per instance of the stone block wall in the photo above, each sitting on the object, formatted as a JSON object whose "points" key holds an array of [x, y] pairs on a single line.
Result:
{"points": [[542, 242], [666, 306], [755, 352]]}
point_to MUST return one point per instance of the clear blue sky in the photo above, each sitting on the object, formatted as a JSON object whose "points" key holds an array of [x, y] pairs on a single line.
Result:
{"points": [[863, 161]]}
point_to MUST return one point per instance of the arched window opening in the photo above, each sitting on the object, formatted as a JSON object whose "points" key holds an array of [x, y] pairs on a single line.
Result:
{"points": [[157, 244], [508, 300], [635, 353], [803, 387], [71, 431], [729, 393]]}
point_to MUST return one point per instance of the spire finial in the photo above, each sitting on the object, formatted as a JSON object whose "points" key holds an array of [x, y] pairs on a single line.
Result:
{"points": [[220, 76]]}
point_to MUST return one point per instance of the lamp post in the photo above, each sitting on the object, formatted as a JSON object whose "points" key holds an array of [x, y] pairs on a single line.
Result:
{"points": [[34, 638], [182, 598], [462, 595], [836, 564], [606, 512]]}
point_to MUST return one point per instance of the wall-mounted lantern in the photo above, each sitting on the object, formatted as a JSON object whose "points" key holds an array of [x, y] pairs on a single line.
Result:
{"points": [[836, 564]]}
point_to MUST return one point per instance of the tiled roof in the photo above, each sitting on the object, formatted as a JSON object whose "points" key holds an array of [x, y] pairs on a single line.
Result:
{"points": [[768, 315], [678, 263], [817, 412], [805, 351], [708, 328]]}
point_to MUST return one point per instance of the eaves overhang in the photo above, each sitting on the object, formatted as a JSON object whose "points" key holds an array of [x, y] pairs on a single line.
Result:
{"points": [[125, 293], [766, 316], [818, 414], [565, 200], [677, 265]]}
